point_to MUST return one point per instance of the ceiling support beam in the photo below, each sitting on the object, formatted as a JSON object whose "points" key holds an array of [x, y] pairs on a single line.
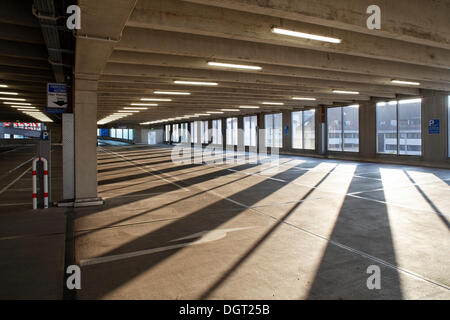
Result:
{"points": [[164, 42], [179, 16], [429, 26]]}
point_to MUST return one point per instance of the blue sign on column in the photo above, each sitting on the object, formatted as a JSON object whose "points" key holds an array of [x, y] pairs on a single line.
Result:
{"points": [[44, 135], [56, 97], [434, 126]]}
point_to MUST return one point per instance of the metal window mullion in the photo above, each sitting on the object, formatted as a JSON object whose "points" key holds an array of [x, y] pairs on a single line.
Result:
{"points": [[303, 130], [398, 129], [342, 128]]}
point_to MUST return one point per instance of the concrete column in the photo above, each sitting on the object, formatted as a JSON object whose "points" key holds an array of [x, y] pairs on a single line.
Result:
{"points": [[210, 131], [141, 135], [224, 133], [240, 123], [367, 130], [55, 130], [85, 113], [260, 134], [321, 130], [435, 146]]}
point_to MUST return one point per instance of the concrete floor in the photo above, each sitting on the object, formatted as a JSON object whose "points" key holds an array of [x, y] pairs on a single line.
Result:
{"points": [[239, 231], [32, 243], [308, 230]]}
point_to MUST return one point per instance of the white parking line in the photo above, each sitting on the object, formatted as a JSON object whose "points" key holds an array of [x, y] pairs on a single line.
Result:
{"points": [[14, 181]]}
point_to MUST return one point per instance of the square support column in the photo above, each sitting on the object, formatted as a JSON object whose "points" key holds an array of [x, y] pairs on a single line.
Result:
{"points": [[85, 113], [367, 130]]}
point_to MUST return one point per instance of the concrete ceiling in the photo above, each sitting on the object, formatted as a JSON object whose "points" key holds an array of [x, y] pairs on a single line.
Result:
{"points": [[24, 54], [167, 40], [134, 47]]}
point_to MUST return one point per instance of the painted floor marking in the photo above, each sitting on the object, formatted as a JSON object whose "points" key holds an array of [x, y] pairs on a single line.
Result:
{"points": [[14, 181], [143, 169], [203, 237]]}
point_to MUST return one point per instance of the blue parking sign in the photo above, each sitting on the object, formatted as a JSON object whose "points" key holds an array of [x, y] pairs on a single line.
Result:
{"points": [[44, 135], [434, 126]]}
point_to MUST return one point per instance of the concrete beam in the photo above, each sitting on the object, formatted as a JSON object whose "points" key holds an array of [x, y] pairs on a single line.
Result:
{"points": [[17, 13], [121, 98], [20, 33], [24, 63], [164, 42], [96, 41], [210, 75], [32, 73], [179, 16], [23, 50], [162, 60], [113, 84], [415, 21], [166, 83]]}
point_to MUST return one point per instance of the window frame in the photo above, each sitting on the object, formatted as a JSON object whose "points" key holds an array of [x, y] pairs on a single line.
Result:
{"points": [[233, 130], [302, 124], [251, 129], [216, 132], [397, 113], [342, 130], [272, 135]]}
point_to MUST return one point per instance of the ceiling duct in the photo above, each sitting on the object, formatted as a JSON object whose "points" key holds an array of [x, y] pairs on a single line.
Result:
{"points": [[45, 11]]}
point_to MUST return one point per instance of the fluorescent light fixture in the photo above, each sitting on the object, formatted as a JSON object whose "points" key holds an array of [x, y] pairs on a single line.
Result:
{"points": [[12, 99], [196, 83], [412, 83], [231, 110], [38, 115], [3, 86], [345, 92], [173, 93], [145, 104], [274, 103], [155, 99], [28, 109], [235, 66], [23, 107], [9, 93], [202, 114], [249, 107], [129, 111], [135, 108], [215, 112], [304, 35], [410, 101], [304, 98], [18, 103]]}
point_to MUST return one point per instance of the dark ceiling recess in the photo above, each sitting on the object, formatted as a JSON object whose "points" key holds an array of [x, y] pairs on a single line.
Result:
{"points": [[35, 48]]}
